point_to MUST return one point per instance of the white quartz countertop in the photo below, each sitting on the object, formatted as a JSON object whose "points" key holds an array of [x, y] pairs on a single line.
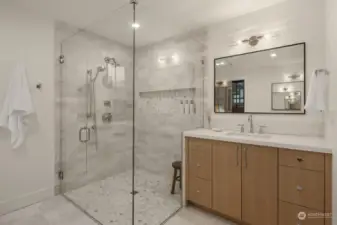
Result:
{"points": [[312, 144]]}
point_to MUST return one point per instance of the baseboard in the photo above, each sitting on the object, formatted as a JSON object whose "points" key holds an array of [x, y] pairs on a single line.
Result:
{"points": [[25, 200]]}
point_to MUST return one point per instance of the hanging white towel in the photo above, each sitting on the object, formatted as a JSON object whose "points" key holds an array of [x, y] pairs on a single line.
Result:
{"points": [[318, 92], [17, 106]]}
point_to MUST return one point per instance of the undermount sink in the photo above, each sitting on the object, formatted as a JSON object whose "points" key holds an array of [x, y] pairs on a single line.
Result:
{"points": [[248, 134]]}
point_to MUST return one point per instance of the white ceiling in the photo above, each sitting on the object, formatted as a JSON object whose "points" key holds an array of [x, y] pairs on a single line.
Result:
{"points": [[159, 19]]}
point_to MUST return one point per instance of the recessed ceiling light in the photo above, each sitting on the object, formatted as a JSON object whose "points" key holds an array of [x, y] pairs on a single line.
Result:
{"points": [[222, 63], [273, 55], [135, 25], [239, 42]]}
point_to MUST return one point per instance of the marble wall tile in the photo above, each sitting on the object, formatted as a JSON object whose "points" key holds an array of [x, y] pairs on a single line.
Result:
{"points": [[161, 70]]}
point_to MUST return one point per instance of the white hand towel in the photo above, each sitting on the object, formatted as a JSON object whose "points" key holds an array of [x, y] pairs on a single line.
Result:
{"points": [[318, 92], [17, 106]]}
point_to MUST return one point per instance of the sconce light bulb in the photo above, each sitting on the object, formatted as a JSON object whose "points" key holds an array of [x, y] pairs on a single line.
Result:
{"points": [[161, 60], [175, 58], [267, 36]]}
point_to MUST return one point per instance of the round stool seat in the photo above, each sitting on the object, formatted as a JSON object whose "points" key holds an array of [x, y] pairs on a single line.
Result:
{"points": [[177, 165]]}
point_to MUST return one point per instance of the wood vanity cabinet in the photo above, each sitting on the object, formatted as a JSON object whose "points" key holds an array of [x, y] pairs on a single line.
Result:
{"points": [[256, 185], [304, 186], [259, 185], [200, 172], [227, 179]]}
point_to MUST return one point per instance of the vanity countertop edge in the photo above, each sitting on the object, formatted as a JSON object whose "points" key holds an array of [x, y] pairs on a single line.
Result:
{"points": [[301, 143]]}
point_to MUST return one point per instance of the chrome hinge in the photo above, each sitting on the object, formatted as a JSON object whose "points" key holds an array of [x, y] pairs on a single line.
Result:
{"points": [[60, 175], [134, 192], [61, 59]]}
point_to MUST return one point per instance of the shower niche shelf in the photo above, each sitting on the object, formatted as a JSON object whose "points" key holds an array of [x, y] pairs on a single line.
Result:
{"points": [[169, 93]]}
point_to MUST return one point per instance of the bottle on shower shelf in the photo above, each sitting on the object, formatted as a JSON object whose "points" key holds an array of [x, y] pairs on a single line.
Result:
{"points": [[182, 106], [187, 106], [192, 107]]}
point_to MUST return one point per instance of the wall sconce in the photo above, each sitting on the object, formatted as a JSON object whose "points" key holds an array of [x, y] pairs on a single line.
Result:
{"points": [[255, 39], [174, 59]]}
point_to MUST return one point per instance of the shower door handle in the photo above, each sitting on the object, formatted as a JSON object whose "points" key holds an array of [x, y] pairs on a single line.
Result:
{"points": [[87, 134]]}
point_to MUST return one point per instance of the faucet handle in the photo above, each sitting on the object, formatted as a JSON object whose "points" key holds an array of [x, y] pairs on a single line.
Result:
{"points": [[261, 128], [242, 127]]}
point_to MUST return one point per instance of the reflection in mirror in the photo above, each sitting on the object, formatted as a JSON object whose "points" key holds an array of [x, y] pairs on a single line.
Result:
{"points": [[287, 96], [268, 81], [230, 96]]}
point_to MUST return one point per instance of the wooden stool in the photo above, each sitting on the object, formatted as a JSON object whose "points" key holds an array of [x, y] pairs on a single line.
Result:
{"points": [[176, 177]]}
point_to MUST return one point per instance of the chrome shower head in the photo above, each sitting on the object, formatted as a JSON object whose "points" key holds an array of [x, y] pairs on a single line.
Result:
{"points": [[109, 60], [100, 69]]}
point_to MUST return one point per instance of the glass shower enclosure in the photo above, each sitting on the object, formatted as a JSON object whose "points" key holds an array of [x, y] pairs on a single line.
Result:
{"points": [[124, 101]]}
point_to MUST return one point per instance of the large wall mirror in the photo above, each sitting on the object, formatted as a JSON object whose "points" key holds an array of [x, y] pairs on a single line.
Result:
{"points": [[270, 81]]}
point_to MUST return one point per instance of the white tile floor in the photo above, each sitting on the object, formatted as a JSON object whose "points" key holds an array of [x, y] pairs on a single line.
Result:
{"points": [[110, 201], [58, 211], [55, 211], [194, 216]]}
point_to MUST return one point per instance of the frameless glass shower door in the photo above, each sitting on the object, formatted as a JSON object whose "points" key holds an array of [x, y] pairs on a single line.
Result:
{"points": [[95, 100]]}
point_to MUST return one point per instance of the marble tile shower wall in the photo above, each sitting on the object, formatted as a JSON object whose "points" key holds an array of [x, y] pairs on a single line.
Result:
{"points": [[84, 51], [167, 73]]}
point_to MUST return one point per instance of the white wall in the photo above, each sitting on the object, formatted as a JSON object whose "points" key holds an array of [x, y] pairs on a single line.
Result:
{"points": [[293, 25], [26, 174], [331, 59]]}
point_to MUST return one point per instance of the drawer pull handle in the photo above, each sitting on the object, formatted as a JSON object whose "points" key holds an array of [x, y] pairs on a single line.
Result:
{"points": [[198, 191], [198, 165], [299, 188], [237, 155], [300, 159]]}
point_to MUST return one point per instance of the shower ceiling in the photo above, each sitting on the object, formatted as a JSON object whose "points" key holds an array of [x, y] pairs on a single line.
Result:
{"points": [[159, 19]]}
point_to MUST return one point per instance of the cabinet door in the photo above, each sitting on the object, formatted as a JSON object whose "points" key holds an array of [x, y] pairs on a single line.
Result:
{"points": [[259, 185], [200, 192], [200, 157], [227, 179]]}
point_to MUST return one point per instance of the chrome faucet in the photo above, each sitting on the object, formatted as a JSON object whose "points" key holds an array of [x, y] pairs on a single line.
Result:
{"points": [[251, 125]]}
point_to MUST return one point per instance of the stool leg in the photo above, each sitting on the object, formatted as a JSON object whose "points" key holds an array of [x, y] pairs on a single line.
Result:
{"points": [[174, 182], [180, 181]]}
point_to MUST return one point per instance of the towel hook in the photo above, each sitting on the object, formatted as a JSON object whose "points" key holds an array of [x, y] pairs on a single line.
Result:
{"points": [[39, 86]]}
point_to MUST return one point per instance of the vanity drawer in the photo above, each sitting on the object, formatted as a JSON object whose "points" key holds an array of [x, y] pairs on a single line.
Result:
{"points": [[200, 159], [200, 192], [288, 215], [302, 187], [301, 159]]}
